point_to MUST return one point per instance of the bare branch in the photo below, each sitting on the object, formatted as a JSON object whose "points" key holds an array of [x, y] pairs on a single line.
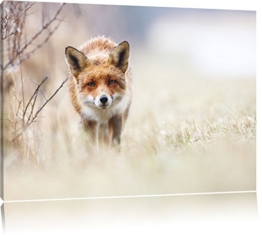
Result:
{"points": [[33, 38], [33, 106], [39, 110], [48, 100], [9, 20], [27, 56], [34, 94], [19, 46]]}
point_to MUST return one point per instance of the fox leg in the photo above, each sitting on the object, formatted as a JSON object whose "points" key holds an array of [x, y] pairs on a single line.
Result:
{"points": [[115, 129], [92, 128], [116, 125]]}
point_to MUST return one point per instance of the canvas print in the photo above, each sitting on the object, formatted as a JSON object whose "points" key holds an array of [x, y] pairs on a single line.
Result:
{"points": [[111, 100]]}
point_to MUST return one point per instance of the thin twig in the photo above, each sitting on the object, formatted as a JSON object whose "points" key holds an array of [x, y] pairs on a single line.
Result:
{"points": [[5, 21], [39, 110], [27, 55], [32, 108], [62, 84], [34, 94], [20, 51]]}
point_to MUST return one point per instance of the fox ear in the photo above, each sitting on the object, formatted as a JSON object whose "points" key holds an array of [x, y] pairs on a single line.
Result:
{"points": [[76, 60], [120, 55]]}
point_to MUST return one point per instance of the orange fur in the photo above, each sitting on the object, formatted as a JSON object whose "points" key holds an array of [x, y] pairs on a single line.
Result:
{"points": [[100, 87]]}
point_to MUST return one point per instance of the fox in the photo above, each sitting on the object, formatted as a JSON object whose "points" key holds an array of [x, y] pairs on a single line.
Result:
{"points": [[100, 87]]}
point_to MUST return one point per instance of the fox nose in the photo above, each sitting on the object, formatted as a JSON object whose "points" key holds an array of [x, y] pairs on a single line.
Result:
{"points": [[103, 99]]}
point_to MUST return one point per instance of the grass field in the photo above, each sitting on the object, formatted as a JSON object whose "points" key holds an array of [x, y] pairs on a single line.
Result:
{"points": [[182, 135], [186, 133]]}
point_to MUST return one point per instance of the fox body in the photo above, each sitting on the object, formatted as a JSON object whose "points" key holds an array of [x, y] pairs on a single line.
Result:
{"points": [[100, 87]]}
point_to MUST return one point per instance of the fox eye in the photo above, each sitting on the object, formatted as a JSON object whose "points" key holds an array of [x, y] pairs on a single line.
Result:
{"points": [[91, 84], [111, 82]]}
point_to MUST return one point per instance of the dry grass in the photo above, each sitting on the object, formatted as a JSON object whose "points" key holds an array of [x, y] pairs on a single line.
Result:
{"points": [[166, 148], [185, 133]]}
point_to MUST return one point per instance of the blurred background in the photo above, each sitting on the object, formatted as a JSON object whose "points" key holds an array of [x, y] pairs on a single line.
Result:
{"points": [[213, 43]]}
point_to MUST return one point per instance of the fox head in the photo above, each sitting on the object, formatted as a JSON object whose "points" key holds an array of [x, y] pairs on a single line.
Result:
{"points": [[100, 77]]}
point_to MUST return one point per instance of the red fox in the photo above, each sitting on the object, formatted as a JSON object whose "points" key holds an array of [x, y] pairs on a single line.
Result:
{"points": [[100, 87]]}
